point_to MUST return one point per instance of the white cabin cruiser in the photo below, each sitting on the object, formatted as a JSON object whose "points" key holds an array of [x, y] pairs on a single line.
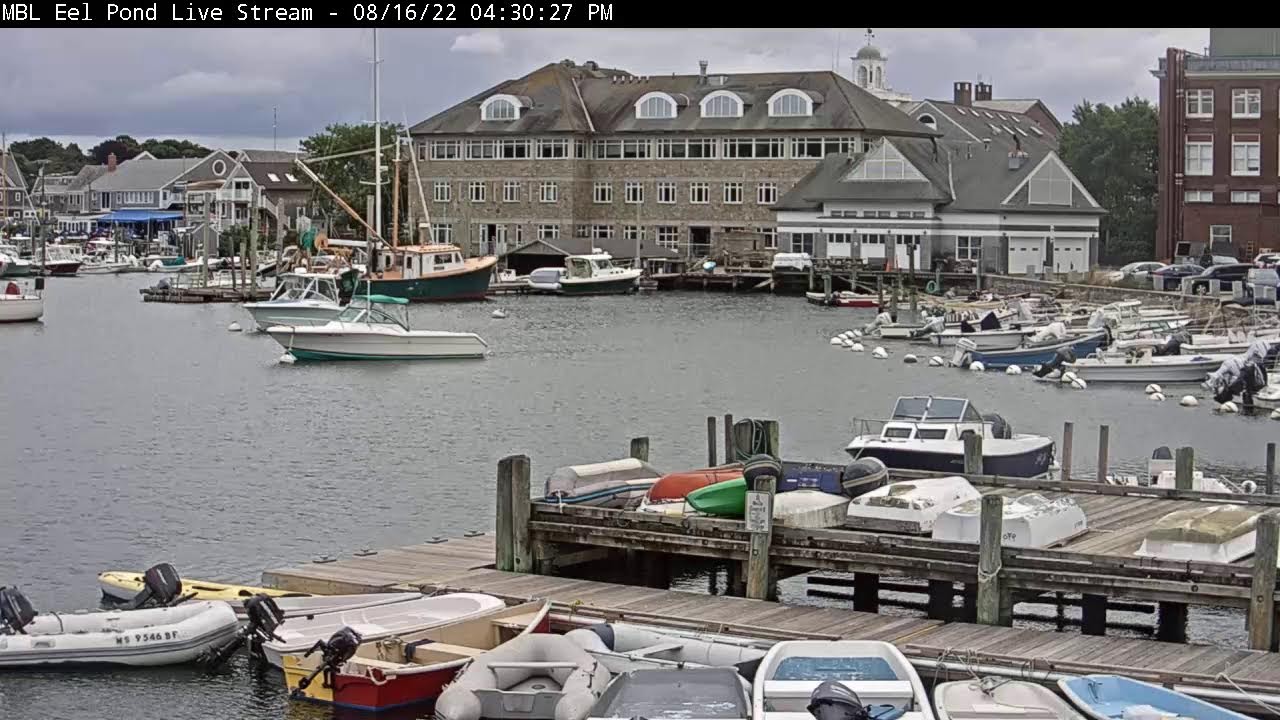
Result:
{"points": [[300, 298], [877, 672], [375, 327], [1030, 521], [596, 274], [21, 305], [926, 433], [14, 264]]}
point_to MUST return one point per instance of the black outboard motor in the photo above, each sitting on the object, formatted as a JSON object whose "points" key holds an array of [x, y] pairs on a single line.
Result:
{"points": [[339, 648], [761, 466], [1000, 428], [15, 611], [262, 616], [833, 701], [1171, 346], [862, 476], [1060, 358], [935, 324], [989, 322], [1252, 378], [161, 586]]}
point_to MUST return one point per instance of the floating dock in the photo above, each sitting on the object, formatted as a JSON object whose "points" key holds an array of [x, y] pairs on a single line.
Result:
{"points": [[202, 295]]}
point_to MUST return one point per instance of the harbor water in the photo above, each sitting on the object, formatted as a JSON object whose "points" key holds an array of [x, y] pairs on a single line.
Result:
{"points": [[134, 433]]}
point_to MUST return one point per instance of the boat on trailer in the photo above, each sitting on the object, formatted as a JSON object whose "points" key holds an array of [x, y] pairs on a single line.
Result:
{"points": [[1030, 521], [877, 672], [909, 506]]}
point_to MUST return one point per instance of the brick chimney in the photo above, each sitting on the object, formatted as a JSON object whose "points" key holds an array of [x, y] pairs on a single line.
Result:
{"points": [[111, 162], [702, 72], [963, 94], [982, 91]]}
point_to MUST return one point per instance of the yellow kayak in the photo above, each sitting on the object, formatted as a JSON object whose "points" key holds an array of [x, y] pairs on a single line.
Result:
{"points": [[124, 585]]}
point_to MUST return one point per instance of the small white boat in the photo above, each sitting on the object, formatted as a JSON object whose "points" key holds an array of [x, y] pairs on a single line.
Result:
{"points": [[689, 693], [546, 280], [101, 265], [1030, 521], [622, 647], [19, 305], [596, 274], [305, 607], [300, 298], [158, 636], [532, 677], [998, 697], [999, 339], [876, 671], [909, 506], [11, 262], [1145, 368], [297, 634], [810, 509], [613, 483], [375, 327], [1216, 533], [1162, 473]]}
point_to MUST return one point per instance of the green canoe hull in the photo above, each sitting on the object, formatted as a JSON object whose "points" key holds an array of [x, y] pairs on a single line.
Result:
{"points": [[724, 499]]}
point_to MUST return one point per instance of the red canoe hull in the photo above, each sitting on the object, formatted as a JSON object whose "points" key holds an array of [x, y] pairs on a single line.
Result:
{"points": [[676, 486]]}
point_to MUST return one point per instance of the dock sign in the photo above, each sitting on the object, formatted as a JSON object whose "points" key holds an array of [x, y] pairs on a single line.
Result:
{"points": [[759, 512]]}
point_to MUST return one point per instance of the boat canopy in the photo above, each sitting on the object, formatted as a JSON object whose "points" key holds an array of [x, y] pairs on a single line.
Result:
{"points": [[386, 299], [935, 409]]}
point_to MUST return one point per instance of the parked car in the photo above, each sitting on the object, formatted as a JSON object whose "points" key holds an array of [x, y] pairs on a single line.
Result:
{"points": [[1267, 260], [1135, 270], [1171, 275], [1227, 274], [1262, 276]]}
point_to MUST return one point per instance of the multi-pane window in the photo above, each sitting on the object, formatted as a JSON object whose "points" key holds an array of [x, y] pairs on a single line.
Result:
{"points": [[770, 237], [771, 148], [442, 233], [968, 247], [722, 106], [668, 236], [548, 232], [657, 107], [446, 149], [511, 191], [703, 148], [482, 149], [672, 149], [548, 192], [767, 193], [601, 232], [666, 192], [441, 191], [513, 149], [699, 193], [1198, 196], [733, 193], [633, 192], [632, 232], [606, 149], [636, 149], [555, 148], [1199, 103], [885, 163], [1246, 196], [1219, 233], [477, 191], [1246, 154], [1199, 154], [1246, 103], [789, 104], [499, 109], [739, 147], [603, 193]]}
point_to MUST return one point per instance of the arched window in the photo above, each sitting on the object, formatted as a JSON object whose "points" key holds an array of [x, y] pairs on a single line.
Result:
{"points": [[790, 103], [879, 77], [862, 76], [927, 119], [655, 106], [722, 103], [500, 107]]}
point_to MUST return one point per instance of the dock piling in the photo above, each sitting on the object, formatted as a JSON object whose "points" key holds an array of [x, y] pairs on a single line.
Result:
{"points": [[972, 453], [758, 581], [1093, 614], [1184, 466], [1262, 608], [711, 441], [640, 448], [1067, 429], [1104, 447], [521, 507], [504, 559], [993, 605], [941, 600], [866, 592], [1171, 623], [826, 287], [1269, 483], [773, 438], [729, 453]]}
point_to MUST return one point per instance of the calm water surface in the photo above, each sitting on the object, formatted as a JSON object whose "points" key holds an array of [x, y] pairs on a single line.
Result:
{"points": [[133, 433]]}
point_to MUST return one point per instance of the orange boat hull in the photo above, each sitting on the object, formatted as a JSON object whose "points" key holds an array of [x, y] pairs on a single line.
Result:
{"points": [[676, 486]]}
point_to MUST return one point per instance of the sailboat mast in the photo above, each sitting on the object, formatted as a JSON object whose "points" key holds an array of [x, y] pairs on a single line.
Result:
{"points": [[377, 143]]}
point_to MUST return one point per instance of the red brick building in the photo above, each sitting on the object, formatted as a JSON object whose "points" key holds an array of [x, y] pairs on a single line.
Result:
{"points": [[1219, 169]]}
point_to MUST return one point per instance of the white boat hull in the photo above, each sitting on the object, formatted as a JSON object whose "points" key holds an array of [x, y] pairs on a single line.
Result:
{"points": [[24, 308], [358, 341], [1163, 369], [308, 313], [810, 509], [910, 506], [984, 339], [877, 672], [1006, 699], [321, 604], [1029, 521]]}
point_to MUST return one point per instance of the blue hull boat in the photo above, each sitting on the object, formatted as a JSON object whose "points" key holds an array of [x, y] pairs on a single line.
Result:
{"points": [[1038, 355], [1106, 697]]}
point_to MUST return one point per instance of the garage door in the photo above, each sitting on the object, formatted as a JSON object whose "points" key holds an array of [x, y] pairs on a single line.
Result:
{"points": [[1024, 252]]}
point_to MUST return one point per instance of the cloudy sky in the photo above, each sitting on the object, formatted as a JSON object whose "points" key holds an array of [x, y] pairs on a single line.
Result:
{"points": [[220, 86]]}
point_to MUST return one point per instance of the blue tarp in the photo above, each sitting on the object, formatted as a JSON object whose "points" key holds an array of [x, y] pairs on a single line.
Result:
{"points": [[132, 216]]}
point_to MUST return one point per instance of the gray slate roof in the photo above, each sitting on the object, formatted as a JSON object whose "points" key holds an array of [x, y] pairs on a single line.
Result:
{"points": [[259, 170], [87, 176], [610, 97], [267, 155], [145, 173], [13, 173], [616, 247]]}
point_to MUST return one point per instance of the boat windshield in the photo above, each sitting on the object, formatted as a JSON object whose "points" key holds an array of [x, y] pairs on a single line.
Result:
{"points": [[290, 288], [579, 268], [859, 669], [360, 311], [935, 409]]}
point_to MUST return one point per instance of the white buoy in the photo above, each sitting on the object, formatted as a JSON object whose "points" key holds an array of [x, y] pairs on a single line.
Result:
{"points": [[1157, 396], [856, 347], [498, 314], [879, 353], [836, 341], [936, 361], [847, 342], [1079, 384], [1249, 487], [1188, 401], [1228, 408], [910, 359], [288, 359], [1275, 414], [1013, 370], [233, 327], [1153, 389], [977, 366], [856, 333]]}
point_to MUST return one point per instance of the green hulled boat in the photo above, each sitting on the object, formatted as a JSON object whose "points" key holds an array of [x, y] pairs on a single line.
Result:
{"points": [[423, 273], [725, 499]]}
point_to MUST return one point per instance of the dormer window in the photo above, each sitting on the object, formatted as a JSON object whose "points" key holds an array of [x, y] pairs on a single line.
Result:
{"points": [[790, 103], [501, 108], [656, 106], [721, 104]]}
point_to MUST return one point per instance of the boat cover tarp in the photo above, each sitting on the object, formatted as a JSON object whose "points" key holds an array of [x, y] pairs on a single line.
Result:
{"points": [[565, 480], [132, 216], [1211, 525]]}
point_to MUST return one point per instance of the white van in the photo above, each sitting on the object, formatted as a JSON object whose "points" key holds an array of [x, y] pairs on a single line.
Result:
{"points": [[792, 261]]}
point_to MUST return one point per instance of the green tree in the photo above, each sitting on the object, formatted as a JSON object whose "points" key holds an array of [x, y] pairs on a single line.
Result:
{"points": [[172, 148], [123, 146], [1114, 150], [58, 158], [347, 176], [230, 240]]}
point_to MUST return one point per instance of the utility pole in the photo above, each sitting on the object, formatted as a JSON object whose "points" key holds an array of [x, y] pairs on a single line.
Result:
{"points": [[395, 199], [274, 119], [4, 180]]}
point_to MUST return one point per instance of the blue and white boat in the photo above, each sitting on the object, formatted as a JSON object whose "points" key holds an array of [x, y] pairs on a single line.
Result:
{"points": [[1028, 354], [1111, 697]]}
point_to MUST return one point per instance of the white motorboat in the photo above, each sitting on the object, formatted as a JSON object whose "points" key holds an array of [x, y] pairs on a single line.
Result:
{"points": [[596, 274], [375, 327], [926, 433], [1030, 521], [998, 697], [159, 636], [684, 693], [877, 672], [60, 259], [297, 634], [1000, 339], [546, 280], [1144, 367], [622, 647], [909, 506], [21, 305], [105, 265], [300, 298], [1162, 473], [321, 604], [11, 262], [1214, 533]]}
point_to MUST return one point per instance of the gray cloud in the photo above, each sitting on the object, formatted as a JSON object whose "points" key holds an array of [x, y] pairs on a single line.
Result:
{"points": [[219, 84]]}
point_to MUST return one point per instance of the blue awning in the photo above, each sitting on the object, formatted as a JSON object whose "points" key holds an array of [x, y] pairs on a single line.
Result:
{"points": [[131, 216]]}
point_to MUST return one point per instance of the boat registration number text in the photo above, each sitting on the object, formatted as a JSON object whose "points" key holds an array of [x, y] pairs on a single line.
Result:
{"points": [[144, 637]]}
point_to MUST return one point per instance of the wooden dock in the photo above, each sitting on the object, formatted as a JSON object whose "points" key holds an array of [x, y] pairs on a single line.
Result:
{"points": [[202, 295]]}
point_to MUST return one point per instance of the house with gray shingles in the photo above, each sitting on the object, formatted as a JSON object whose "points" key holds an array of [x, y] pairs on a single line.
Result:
{"points": [[146, 183], [670, 161], [276, 190], [13, 189], [990, 189]]}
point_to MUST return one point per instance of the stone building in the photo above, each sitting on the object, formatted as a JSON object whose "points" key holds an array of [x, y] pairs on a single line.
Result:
{"points": [[666, 161]]}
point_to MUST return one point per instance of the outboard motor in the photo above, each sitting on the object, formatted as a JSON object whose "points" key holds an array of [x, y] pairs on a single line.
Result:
{"points": [[262, 616], [863, 475], [834, 701], [339, 648], [989, 322], [1000, 428], [15, 611], [761, 466], [1172, 345], [1060, 358], [882, 319], [161, 586], [933, 325]]}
